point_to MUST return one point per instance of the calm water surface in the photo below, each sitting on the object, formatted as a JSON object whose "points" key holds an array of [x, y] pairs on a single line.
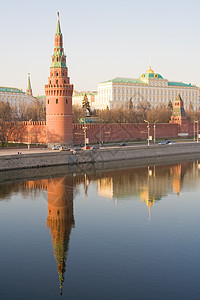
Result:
{"points": [[118, 234]]}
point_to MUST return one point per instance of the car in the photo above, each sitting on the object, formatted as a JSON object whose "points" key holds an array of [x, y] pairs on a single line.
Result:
{"points": [[64, 148], [165, 143], [87, 147], [56, 147], [123, 144], [95, 147]]}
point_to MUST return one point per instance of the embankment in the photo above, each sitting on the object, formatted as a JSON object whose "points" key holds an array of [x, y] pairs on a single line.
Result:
{"points": [[137, 155]]}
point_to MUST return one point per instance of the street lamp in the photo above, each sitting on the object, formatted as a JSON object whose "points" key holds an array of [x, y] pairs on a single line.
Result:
{"points": [[29, 134], [84, 131], [197, 131], [148, 129], [154, 131]]}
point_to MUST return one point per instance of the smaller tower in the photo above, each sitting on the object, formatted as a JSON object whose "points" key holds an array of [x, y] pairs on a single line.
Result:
{"points": [[29, 89], [178, 113]]}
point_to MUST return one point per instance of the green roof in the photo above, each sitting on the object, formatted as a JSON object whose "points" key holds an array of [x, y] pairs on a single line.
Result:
{"points": [[58, 29], [125, 80], [174, 83], [10, 90], [151, 75]]}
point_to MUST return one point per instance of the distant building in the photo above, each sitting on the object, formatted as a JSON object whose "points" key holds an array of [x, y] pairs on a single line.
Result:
{"points": [[77, 98], [15, 97], [150, 86]]}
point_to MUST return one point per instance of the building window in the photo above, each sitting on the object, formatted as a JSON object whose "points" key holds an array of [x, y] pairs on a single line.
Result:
{"points": [[48, 101], [56, 81], [56, 101], [66, 101]]}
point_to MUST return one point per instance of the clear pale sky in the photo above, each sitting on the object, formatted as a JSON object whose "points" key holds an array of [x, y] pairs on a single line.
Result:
{"points": [[102, 39]]}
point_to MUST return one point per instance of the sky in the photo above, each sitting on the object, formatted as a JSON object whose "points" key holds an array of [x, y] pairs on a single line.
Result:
{"points": [[102, 40]]}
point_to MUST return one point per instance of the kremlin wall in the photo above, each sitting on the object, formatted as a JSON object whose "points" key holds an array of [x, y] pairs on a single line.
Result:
{"points": [[59, 129]]}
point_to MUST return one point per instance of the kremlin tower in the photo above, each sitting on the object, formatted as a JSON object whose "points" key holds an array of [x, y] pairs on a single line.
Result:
{"points": [[29, 89], [59, 96]]}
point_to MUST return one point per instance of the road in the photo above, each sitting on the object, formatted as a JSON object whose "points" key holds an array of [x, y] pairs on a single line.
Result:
{"points": [[10, 151]]}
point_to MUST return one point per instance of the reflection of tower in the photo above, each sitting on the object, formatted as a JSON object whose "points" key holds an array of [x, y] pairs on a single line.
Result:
{"points": [[59, 96], [60, 219]]}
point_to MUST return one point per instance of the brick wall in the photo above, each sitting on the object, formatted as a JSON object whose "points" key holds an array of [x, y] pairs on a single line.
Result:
{"points": [[106, 132], [121, 132]]}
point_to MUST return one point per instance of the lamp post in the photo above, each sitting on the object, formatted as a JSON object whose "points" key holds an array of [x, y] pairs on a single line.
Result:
{"points": [[197, 131], [154, 131], [148, 129], [84, 131], [29, 134]]}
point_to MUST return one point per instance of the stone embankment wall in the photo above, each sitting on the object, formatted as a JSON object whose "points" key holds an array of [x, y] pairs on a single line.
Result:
{"points": [[165, 152]]}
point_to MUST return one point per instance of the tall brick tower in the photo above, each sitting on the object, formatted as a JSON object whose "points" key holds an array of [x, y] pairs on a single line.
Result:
{"points": [[59, 96]]}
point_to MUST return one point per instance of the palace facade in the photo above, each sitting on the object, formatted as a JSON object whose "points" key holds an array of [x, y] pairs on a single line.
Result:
{"points": [[150, 86], [16, 97]]}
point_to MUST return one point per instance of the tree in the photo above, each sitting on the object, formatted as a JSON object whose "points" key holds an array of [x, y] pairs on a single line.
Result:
{"points": [[170, 105], [5, 115], [85, 103], [130, 105], [191, 108]]}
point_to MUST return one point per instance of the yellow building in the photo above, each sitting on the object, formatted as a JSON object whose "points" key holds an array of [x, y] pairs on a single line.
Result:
{"points": [[150, 86]]}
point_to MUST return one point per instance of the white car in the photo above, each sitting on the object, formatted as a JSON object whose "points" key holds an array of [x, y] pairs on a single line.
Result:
{"points": [[56, 147]]}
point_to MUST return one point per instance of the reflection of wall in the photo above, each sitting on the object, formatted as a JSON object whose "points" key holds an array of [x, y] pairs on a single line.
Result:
{"points": [[60, 219]]}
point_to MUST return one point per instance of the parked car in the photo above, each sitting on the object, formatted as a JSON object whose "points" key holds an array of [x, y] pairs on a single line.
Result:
{"points": [[56, 147], [165, 143], [87, 147], [123, 144], [95, 147], [64, 148]]}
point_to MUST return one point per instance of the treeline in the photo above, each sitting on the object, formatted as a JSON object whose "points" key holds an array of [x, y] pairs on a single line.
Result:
{"points": [[161, 114], [34, 111]]}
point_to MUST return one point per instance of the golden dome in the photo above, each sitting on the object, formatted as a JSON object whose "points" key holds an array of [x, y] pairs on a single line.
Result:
{"points": [[149, 71]]}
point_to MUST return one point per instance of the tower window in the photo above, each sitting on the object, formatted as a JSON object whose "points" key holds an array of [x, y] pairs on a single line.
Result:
{"points": [[66, 101], [48, 101], [58, 212], [56, 101], [50, 212], [56, 81], [56, 74]]}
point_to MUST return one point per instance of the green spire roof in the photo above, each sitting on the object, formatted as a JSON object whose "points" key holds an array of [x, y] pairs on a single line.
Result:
{"points": [[29, 82], [178, 108], [58, 29], [58, 59]]}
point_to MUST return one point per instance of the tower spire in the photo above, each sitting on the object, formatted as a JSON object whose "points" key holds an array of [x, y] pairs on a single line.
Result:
{"points": [[29, 89], [58, 29]]}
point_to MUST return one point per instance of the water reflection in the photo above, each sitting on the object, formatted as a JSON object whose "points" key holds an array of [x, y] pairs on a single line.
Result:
{"points": [[148, 184]]}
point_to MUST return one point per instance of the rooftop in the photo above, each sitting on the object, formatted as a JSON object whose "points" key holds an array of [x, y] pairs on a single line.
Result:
{"points": [[10, 90]]}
